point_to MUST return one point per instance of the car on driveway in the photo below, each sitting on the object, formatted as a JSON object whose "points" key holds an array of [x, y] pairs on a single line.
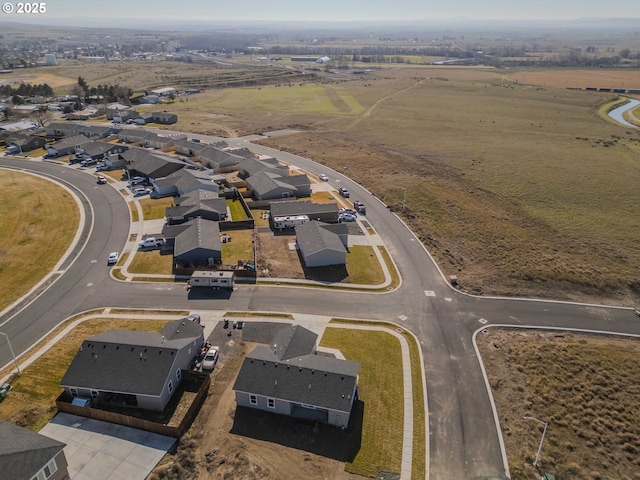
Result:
{"points": [[210, 358], [138, 192], [113, 258], [323, 177], [344, 192], [350, 211]]}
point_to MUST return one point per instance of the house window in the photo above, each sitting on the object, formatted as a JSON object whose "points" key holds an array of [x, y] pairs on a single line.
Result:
{"points": [[178, 374], [47, 472], [74, 392], [271, 402], [170, 387], [253, 400]]}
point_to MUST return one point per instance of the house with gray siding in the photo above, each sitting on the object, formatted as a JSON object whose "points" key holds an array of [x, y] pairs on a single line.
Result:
{"points": [[101, 150], [214, 158], [195, 242], [67, 146], [134, 368], [182, 182], [321, 244], [150, 164], [197, 203], [266, 185], [61, 129], [288, 377], [251, 166], [24, 143], [27, 455]]}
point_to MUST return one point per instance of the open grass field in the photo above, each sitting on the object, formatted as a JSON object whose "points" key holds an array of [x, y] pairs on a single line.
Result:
{"points": [[31, 402], [584, 386], [35, 231], [579, 78], [381, 392]]}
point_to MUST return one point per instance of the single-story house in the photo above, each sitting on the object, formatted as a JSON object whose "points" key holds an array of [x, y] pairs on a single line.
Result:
{"points": [[19, 126], [267, 185], [324, 212], [244, 152], [164, 118], [60, 129], [214, 158], [189, 147], [116, 110], [289, 378], [251, 166], [182, 182], [153, 140], [129, 135], [123, 116], [150, 99], [24, 143], [320, 245], [150, 164], [134, 368], [67, 146], [197, 203], [196, 242], [27, 455], [100, 150], [113, 162], [97, 131], [86, 114]]}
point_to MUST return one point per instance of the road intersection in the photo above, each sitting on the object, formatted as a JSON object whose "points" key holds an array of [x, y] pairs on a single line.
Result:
{"points": [[464, 437]]}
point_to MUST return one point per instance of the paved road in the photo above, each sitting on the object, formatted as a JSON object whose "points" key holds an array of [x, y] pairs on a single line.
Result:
{"points": [[464, 442]]}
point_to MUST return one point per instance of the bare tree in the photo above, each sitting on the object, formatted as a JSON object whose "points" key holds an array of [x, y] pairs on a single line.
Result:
{"points": [[42, 116]]}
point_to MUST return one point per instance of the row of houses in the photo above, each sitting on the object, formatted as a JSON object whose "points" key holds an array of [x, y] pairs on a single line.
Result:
{"points": [[144, 369]]}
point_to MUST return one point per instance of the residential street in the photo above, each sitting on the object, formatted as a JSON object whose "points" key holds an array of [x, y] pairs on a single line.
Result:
{"points": [[463, 438]]}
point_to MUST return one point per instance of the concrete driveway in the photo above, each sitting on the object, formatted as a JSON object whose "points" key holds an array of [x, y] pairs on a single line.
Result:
{"points": [[105, 451]]}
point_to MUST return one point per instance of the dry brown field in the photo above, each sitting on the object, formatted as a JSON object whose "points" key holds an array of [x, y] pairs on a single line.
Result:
{"points": [[579, 78], [585, 386]]}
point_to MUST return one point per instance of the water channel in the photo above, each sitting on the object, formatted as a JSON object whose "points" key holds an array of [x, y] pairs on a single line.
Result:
{"points": [[616, 113]]}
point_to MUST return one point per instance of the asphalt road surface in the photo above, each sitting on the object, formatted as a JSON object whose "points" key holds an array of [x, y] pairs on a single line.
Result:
{"points": [[463, 438]]}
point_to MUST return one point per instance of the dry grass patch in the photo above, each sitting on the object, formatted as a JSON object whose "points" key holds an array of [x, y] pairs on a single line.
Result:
{"points": [[38, 221], [151, 262], [155, 208], [240, 248], [363, 266], [586, 387]]}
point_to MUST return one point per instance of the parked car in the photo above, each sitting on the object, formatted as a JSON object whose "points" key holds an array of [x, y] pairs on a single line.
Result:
{"points": [[344, 192], [151, 242], [113, 258], [138, 192], [323, 177], [137, 181], [349, 211], [88, 162], [210, 358], [194, 318], [346, 217]]}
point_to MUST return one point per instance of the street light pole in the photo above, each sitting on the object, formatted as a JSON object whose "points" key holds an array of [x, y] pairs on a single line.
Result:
{"points": [[535, 462], [12, 354]]}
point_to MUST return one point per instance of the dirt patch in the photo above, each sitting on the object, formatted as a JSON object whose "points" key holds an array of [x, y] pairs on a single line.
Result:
{"points": [[585, 386], [226, 443]]}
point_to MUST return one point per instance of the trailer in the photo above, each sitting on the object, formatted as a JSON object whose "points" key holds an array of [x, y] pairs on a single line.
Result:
{"points": [[212, 279], [289, 221]]}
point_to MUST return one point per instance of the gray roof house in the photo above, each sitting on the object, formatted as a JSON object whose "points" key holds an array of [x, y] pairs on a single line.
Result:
{"points": [[214, 158], [197, 203], [61, 129], [134, 368], [129, 135], [251, 166], [319, 245], [189, 147], [324, 212], [266, 185], [182, 182], [26, 455], [196, 242], [289, 378], [151, 164], [100, 150], [98, 131], [67, 146], [24, 143]]}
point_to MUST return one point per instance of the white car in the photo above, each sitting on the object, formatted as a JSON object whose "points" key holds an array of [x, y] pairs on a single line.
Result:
{"points": [[346, 217], [210, 358], [323, 177], [138, 192], [113, 258]]}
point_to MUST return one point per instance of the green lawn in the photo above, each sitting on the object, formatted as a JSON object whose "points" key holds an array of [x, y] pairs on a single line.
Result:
{"points": [[237, 212], [381, 393], [239, 248], [363, 266]]}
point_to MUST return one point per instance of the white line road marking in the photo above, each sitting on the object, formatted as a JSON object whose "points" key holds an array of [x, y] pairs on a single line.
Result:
{"points": [[448, 299], [89, 284], [483, 321], [430, 293], [403, 318]]}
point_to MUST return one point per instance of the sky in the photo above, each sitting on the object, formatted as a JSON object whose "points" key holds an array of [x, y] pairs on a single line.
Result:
{"points": [[333, 10]]}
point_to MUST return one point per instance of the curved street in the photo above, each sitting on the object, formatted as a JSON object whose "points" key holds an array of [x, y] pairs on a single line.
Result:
{"points": [[463, 436]]}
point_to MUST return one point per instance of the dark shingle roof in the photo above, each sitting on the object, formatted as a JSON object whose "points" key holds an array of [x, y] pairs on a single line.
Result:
{"points": [[311, 379], [293, 341], [127, 361], [312, 238], [23, 452], [71, 142], [199, 234], [302, 207]]}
